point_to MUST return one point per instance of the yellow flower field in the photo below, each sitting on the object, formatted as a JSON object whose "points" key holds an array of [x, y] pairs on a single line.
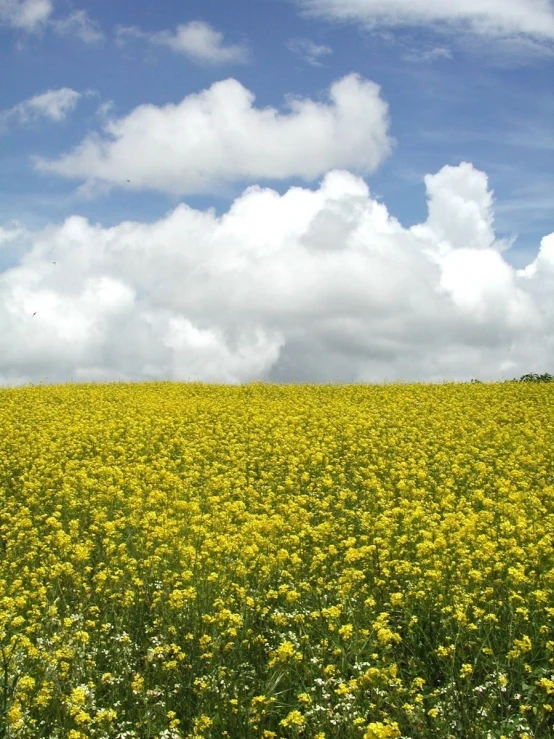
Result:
{"points": [[184, 560]]}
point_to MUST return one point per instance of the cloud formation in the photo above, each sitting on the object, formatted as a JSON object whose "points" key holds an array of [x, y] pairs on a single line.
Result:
{"points": [[492, 18], [27, 15], [315, 286], [197, 40], [428, 55], [54, 105], [308, 51], [80, 25], [219, 136]]}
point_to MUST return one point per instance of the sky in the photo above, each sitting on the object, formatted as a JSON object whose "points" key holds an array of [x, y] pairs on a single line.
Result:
{"points": [[289, 191]]}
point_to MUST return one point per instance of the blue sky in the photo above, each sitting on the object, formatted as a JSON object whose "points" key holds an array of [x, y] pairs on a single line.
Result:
{"points": [[197, 97]]}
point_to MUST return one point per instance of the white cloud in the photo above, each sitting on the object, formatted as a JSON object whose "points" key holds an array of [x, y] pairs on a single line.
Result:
{"points": [[80, 25], [308, 50], [460, 208], [510, 52], [104, 109], [196, 40], [219, 136], [122, 33], [30, 15], [52, 104], [11, 234], [27, 15], [493, 18], [317, 286]]}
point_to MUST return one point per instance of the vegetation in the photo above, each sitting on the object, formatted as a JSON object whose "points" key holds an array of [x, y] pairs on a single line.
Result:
{"points": [[537, 378], [266, 561], [530, 378]]}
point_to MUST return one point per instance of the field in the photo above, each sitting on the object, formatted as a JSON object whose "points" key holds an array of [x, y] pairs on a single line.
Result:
{"points": [[181, 560]]}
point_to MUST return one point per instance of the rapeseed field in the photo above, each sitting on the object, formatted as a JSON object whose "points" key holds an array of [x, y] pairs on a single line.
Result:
{"points": [[181, 560]]}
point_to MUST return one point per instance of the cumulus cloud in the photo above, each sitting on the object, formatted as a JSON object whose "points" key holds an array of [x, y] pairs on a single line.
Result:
{"points": [[27, 15], [197, 40], [79, 24], [54, 105], [491, 18], [219, 136], [315, 286], [309, 51]]}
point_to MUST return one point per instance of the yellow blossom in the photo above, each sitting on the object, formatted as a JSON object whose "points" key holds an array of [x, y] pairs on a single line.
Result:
{"points": [[294, 718], [377, 730]]}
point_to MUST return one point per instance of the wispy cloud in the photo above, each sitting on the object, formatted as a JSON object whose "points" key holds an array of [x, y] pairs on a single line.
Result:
{"points": [[27, 15], [532, 202], [309, 51], [526, 134], [509, 52], [429, 55], [493, 18], [80, 25], [531, 135], [54, 105], [197, 40], [504, 33], [33, 15], [104, 109]]}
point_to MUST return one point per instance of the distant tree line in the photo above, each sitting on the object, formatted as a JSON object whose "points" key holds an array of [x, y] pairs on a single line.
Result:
{"points": [[529, 378]]}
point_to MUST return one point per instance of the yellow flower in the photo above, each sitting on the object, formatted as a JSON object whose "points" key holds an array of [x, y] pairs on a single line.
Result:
{"points": [[466, 670], [329, 670], [285, 652], [26, 683], [346, 631], [137, 684], [520, 646], [547, 684], [78, 696], [15, 715], [44, 696], [106, 715], [294, 718], [379, 730], [82, 718], [202, 722]]}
